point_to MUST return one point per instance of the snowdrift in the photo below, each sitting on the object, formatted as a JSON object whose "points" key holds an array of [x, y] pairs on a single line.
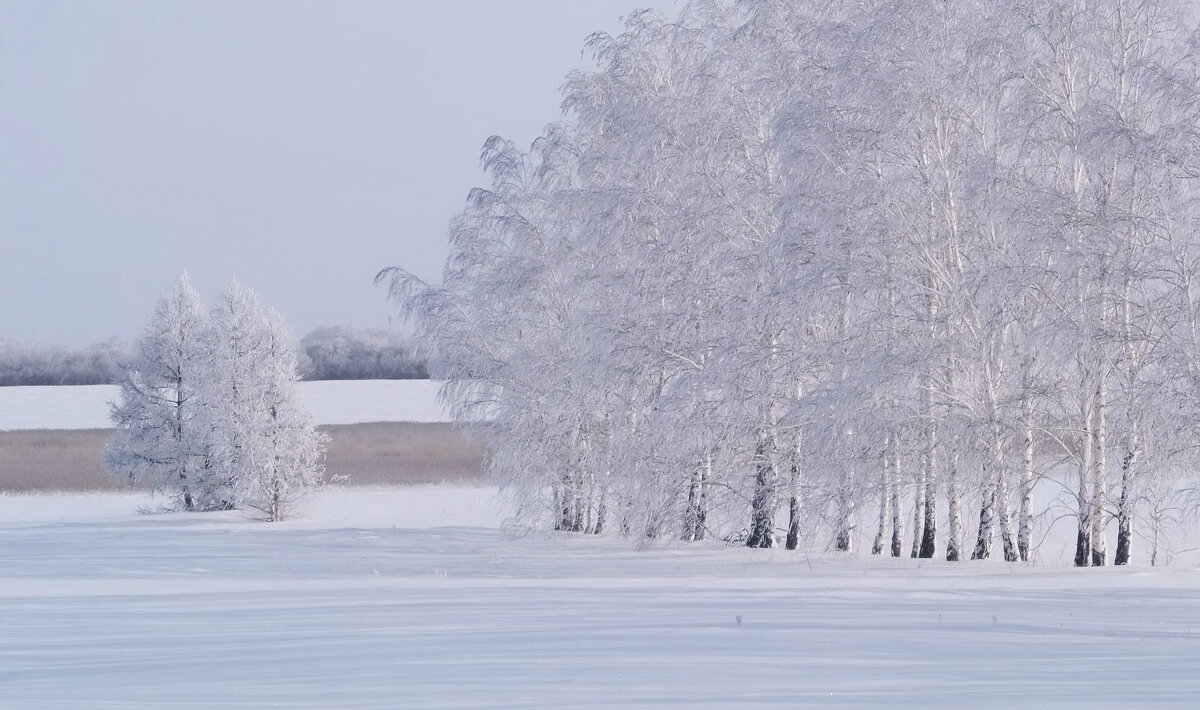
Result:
{"points": [[424, 597]]}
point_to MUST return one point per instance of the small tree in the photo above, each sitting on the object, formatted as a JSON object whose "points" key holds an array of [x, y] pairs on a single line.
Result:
{"points": [[158, 440], [265, 452]]}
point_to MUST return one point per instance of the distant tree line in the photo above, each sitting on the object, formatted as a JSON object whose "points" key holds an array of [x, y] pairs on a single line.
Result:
{"points": [[343, 352], [28, 364], [340, 352]]}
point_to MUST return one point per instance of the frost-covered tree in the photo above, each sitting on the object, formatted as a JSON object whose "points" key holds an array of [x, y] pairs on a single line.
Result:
{"points": [[264, 451], [159, 440], [783, 267]]}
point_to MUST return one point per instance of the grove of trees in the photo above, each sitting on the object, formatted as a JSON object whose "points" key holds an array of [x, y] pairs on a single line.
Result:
{"points": [[208, 409], [892, 273]]}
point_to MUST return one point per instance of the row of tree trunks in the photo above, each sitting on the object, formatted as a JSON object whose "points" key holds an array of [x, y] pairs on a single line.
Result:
{"points": [[580, 505], [996, 515]]}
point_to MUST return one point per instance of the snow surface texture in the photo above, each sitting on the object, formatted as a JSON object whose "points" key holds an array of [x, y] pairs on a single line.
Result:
{"points": [[423, 597], [336, 402]]}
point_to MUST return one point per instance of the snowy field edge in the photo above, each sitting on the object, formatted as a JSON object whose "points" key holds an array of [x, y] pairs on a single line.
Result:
{"points": [[429, 596]]}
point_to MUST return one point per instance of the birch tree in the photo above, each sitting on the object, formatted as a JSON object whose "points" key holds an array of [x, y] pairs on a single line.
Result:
{"points": [[158, 439], [785, 267], [264, 451]]}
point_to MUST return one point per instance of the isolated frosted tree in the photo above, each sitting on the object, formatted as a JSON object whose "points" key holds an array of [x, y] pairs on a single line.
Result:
{"points": [[159, 440], [264, 451]]}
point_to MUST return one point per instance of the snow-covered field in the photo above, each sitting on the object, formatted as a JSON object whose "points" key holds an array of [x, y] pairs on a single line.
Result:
{"points": [[425, 598], [339, 402]]}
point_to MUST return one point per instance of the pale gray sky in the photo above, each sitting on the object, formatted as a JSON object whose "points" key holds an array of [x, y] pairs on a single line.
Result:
{"points": [[300, 146]]}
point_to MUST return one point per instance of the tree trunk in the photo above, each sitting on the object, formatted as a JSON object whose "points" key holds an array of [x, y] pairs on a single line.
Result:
{"points": [[845, 536], [1125, 506], [1128, 491], [1100, 486], [918, 514], [691, 514], [793, 533], [560, 504], [929, 527], [579, 519], [570, 512], [954, 540], [1008, 538], [881, 531], [276, 512], [589, 522], [1083, 539], [885, 499], [1001, 510], [1025, 526], [601, 510], [702, 505], [762, 505], [987, 504], [577, 505], [897, 510]]}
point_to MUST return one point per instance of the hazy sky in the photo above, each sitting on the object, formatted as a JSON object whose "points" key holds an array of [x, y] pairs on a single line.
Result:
{"points": [[300, 146]]}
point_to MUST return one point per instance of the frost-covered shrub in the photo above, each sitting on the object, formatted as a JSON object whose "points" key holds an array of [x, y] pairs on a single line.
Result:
{"points": [[23, 364], [345, 352]]}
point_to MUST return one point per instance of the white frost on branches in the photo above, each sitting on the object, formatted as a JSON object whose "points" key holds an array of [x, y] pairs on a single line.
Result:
{"points": [[843, 271], [158, 439], [209, 412]]}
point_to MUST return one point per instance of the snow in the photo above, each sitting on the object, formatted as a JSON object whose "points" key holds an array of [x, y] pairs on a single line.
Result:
{"points": [[337, 402], [426, 597], [354, 402]]}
